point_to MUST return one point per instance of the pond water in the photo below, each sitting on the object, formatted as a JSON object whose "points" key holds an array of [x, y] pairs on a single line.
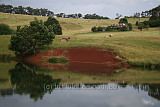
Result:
{"points": [[24, 85]]}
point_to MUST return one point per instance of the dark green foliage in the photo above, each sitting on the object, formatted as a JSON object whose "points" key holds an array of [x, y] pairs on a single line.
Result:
{"points": [[30, 38], [112, 28], [130, 26], [94, 16], [57, 29], [100, 29], [55, 60], [5, 29], [124, 28], [123, 20], [137, 23], [51, 21], [94, 29], [25, 10], [27, 81], [154, 21], [141, 26], [153, 17]]}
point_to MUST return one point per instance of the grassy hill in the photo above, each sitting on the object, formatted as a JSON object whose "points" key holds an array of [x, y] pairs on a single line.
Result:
{"points": [[138, 47]]}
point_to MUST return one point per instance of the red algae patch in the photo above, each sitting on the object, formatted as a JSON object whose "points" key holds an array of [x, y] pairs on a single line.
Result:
{"points": [[80, 60]]}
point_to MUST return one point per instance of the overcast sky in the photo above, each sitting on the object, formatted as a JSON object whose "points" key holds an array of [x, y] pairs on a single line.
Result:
{"points": [[107, 8]]}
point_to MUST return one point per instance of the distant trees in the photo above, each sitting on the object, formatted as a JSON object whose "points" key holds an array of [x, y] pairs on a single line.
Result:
{"points": [[118, 16], [30, 38], [25, 10], [54, 23], [123, 25], [94, 16], [5, 29]]}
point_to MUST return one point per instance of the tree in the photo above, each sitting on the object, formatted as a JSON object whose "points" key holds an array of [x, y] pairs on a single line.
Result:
{"points": [[51, 21], [5, 29], [30, 38], [141, 26], [54, 23], [94, 29], [118, 16], [123, 20], [79, 15]]}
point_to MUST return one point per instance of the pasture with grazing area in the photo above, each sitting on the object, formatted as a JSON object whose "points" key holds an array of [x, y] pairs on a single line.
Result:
{"points": [[140, 48], [69, 62]]}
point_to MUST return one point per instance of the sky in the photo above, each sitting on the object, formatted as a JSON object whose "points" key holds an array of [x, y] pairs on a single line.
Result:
{"points": [[107, 8]]}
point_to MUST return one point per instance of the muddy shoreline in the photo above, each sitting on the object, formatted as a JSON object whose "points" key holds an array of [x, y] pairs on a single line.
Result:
{"points": [[80, 60]]}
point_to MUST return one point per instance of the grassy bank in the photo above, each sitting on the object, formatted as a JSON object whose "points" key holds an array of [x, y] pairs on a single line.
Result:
{"points": [[140, 48]]}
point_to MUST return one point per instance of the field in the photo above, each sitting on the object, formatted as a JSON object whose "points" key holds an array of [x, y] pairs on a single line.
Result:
{"points": [[138, 47]]}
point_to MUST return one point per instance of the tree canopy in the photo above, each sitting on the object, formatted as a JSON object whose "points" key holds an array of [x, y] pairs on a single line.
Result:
{"points": [[54, 23], [30, 38]]}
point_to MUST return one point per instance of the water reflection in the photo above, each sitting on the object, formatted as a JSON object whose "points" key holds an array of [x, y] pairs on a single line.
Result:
{"points": [[27, 81], [152, 89]]}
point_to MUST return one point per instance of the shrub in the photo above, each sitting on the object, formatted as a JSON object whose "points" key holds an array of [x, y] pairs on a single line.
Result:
{"points": [[100, 29], [55, 60], [141, 26], [124, 28], [57, 29], [123, 20], [94, 29], [130, 26], [137, 23], [51, 21], [154, 23], [5, 29]]}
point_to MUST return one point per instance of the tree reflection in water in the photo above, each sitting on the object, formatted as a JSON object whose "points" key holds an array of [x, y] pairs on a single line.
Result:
{"points": [[27, 81], [152, 89]]}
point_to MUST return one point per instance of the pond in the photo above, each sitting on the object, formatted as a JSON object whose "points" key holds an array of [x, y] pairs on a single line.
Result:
{"points": [[81, 82], [24, 85]]}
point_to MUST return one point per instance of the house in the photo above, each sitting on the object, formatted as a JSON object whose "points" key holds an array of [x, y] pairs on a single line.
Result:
{"points": [[119, 25]]}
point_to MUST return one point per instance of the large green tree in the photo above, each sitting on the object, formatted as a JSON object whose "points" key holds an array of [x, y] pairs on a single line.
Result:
{"points": [[30, 38]]}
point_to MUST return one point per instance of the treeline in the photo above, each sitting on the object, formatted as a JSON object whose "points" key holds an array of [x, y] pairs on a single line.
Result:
{"points": [[123, 25], [45, 12], [145, 14], [79, 15], [25, 10]]}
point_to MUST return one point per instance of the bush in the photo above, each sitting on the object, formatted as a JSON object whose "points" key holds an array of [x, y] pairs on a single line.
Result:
{"points": [[94, 29], [5, 29], [124, 28], [57, 29], [130, 26], [55, 60], [112, 28], [51, 21], [123, 20], [154, 23], [141, 26], [100, 29], [137, 23]]}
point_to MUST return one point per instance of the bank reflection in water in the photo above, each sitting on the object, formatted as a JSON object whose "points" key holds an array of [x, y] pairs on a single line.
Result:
{"points": [[27, 81]]}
